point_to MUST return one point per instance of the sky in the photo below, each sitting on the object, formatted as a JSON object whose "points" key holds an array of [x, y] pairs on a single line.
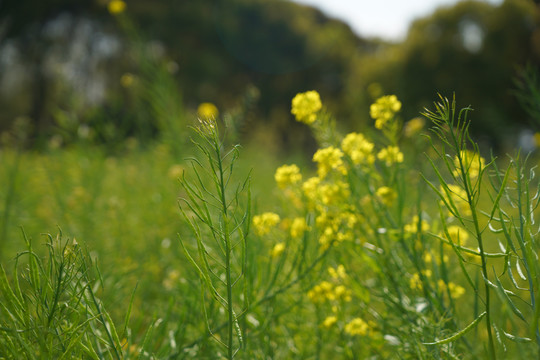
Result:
{"points": [[388, 19]]}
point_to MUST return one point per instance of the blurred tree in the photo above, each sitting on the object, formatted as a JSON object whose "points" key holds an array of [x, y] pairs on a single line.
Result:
{"points": [[62, 59], [472, 49]]}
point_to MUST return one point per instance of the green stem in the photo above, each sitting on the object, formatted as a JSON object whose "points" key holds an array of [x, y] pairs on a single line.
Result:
{"points": [[230, 310], [468, 190]]}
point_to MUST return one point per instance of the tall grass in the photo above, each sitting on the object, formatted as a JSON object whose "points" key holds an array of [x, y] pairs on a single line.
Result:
{"points": [[373, 252]]}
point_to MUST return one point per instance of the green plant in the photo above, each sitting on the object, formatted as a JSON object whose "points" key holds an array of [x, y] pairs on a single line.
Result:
{"points": [[50, 310], [219, 219]]}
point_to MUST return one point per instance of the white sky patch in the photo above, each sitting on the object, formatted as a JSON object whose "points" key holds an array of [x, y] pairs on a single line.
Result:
{"points": [[388, 19]]}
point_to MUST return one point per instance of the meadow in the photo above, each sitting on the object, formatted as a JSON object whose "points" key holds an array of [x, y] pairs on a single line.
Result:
{"points": [[402, 241]]}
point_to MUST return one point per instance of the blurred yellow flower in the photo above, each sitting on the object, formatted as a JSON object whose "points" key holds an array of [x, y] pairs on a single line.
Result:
{"points": [[310, 186], [298, 227], [457, 199], [175, 171], [458, 235], [116, 6], [390, 155], [327, 159], [386, 195], [375, 90], [384, 109], [413, 127], [265, 222], [342, 293], [337, 273], [456, 291], [357, 326], [413, 227], [287, 175], [358, 148], [127, 80], [329, 321], [278, 249], [415, 283], [207, 110], [537, 139], [305, 106], [334, 193], [321, 292], [472, 162]]}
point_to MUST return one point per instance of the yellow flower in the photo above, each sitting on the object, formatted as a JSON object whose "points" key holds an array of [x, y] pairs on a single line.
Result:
{"points": [[207, 110], [305, 106], [428, 259], [175, 171], [458, 197], [342, 293], [413, 127], [472, 162], [390, 155], [298, 227], [278, 249], [127, 80], [456, 291], [172, 278], [322, 292], [310, 188], [375, 90], [458, 235], [327, 159], [358, 148], [338, 273], [116, 7], [357, 326], [386, 195], [327, 236], [415, 283], [287, 175], [265, 222], [537, 139], [329, 321], [384, 109], [412, 228], [334, 193]]}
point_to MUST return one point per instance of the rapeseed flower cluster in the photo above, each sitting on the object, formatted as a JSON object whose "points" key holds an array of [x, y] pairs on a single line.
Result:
{"points": [[357, 326], [386, 195], [472, 162], [458, 235], [298, 227], [390, 155], [328, 159], [358, 148], [413, 127], [305, 106], [265, 222], [384, 110], [330, 321], [455, 291], [457, 200], [278, 249], [207, 110], [287, 175], [338, 272], [414, 226], [116, 7], [327, 291]]}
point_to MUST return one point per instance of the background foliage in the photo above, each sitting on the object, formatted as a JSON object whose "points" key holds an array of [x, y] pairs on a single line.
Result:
{"points": [[64, 61]]}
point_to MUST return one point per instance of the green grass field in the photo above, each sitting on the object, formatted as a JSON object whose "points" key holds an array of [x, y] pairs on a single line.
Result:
{"points": [[389, 245]]}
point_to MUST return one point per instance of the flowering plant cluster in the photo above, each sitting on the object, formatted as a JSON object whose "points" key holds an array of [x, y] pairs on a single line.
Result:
{"points": [[407, 267]]}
